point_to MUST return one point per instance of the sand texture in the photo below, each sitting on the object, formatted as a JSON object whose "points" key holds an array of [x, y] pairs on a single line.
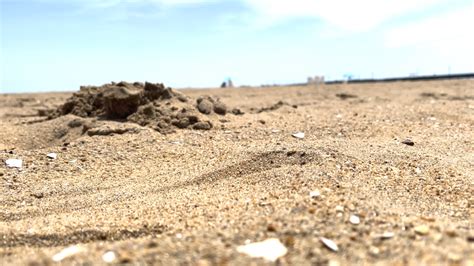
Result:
{"points": [[146, 174]]}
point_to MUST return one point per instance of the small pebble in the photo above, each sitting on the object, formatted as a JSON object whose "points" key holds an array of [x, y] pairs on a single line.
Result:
{"points": [[109, 257], [470, 238], [329, 244], [354, 219], [408, 142], [422, 230], [339, 208], [374, 251]]}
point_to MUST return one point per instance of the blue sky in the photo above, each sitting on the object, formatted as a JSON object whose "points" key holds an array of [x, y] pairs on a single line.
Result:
{"points": [[51, 45]]}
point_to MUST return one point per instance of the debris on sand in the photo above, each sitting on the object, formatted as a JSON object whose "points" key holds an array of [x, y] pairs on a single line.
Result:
{"points": [[270, 249], [314, 194], [67, 252], [149, 104], [14, 163], [298, 135], [106, 130], [385, 235], [329, 244], [52, 155], [344, 96], [274, 107], [408, 142]]}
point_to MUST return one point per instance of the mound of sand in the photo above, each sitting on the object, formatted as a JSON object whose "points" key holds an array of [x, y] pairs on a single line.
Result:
{"points": [[149, 104]]}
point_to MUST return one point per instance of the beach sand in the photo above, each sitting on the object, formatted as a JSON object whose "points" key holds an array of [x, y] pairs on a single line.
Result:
{"points": [[194, 196]]}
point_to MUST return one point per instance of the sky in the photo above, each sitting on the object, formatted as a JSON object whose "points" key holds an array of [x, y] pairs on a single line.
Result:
{"points": [[51, 45]]}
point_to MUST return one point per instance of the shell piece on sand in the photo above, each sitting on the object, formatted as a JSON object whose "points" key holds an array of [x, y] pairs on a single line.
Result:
{"points": [[387, 235], [314, 194], [329, 244], [109, 257], [67, 252], [298, 135], [270, 249], [52, 155], [14, 163]]}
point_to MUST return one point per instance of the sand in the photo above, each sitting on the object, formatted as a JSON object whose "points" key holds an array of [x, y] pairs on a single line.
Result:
{"points": [[188, 196]]}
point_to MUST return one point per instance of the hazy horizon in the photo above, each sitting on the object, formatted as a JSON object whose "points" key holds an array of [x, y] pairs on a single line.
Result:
{"points": [[52, 45]]}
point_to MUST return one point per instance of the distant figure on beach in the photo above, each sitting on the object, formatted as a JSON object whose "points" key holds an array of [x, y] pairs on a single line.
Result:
{"points": [[228, 83]]}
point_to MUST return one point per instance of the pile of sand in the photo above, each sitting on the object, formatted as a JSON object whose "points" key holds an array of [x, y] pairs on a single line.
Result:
{"points": [[149, 104]]}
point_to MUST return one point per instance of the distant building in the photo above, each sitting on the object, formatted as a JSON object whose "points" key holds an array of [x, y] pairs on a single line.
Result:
{"points": [[315, 80]]}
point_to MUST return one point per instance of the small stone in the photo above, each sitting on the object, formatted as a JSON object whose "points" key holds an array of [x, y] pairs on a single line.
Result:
{"points": [[329, 244], [270, 249], [451, 232], [339, 208], [298, 135], [315, 194], [205, 106], [109, 257], [202, 125], [422, 230], [470, 238], [374, 251], [52, 155], [408, 142], [354, 219], [271, 228], [14, 163], [77, 122], [237, 111], [220, 108], [38, 195]]}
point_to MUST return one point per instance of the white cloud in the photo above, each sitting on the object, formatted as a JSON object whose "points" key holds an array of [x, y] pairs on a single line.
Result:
{"points": [[354, 16], [453, 26]]}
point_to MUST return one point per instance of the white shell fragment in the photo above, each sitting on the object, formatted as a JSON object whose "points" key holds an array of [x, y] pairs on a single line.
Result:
{"points": [[298, 135], [14, 163], [329, 244], [354, 219], [52, 155], [314, 194], [387, 235], [67, 252], [270, 249], [109, 257]]}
